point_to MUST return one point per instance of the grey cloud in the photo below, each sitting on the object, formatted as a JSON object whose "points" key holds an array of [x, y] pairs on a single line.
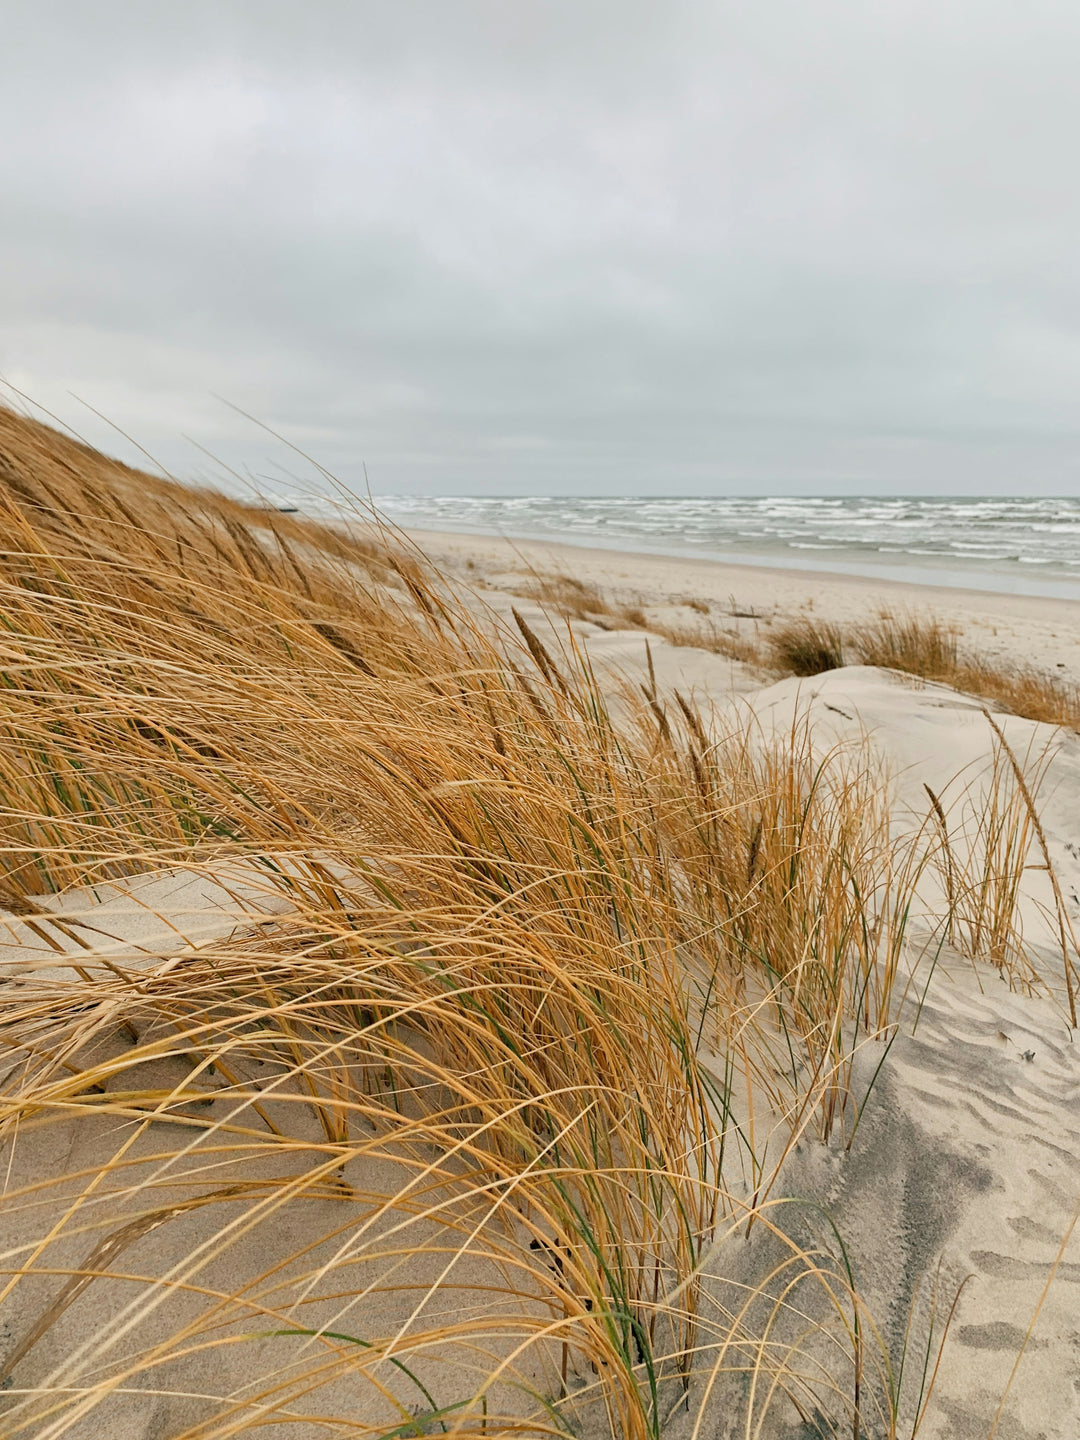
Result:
{"points": [[589, 247]]}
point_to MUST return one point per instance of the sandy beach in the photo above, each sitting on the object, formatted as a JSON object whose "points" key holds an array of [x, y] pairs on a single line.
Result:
{"points": [[1007, 629], [971, 1151], [443, 998]]}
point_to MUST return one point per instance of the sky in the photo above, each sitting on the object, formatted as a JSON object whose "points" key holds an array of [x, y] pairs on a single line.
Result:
{"points": [[507, 247]]}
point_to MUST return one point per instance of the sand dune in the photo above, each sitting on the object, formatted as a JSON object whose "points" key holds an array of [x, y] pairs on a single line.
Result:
{"points": [[423, 1013]]}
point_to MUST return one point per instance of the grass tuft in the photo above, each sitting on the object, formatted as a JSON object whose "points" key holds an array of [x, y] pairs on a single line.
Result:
{"points": [[807, 647], [910, 643], [575, 599]]}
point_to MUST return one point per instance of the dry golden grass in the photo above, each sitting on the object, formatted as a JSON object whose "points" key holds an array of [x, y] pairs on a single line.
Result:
{"points": [[452, 1143], [912, 643], [576, 599], [806, 646], [925, 647], [1026, 692], [570, 597], [710, 636]]}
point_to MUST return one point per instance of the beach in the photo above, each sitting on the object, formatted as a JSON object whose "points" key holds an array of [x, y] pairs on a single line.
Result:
{"points": [[1007, 629], [486, 988]]}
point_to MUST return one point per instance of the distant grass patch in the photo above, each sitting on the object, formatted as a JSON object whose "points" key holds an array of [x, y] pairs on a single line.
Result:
{"points": [[1023, 691], [923, 646], [807, 647], [711, 637], [911, 643], [915, 644], [576, 599]]}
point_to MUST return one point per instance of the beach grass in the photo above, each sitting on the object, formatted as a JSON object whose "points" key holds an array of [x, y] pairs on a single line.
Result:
{"points": [[807, 647], [571, 598]]}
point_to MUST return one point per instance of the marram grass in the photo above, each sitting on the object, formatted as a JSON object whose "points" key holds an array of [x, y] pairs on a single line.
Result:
{"points": [[461, 1138]]}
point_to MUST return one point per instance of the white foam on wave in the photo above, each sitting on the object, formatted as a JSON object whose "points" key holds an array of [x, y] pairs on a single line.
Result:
{"points": [[988, 543]]}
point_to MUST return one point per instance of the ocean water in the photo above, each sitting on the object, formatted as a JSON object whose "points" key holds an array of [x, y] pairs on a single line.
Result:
{"points": [[1017, 545]]}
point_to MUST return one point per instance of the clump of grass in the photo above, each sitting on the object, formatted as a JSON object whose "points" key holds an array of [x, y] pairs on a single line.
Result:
{"points": [[806, 646], [923, 646], [570, 596], [806, 888], [912, 643], [987, 838], [986, 835], [711, 637], [1022, 691]]}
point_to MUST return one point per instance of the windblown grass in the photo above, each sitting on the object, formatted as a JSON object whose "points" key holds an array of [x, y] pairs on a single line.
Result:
{"points": [[807, 645], [912, 643], [572, 597], [1022, 691], [998, 830], [453, 1139], [709, 635]]}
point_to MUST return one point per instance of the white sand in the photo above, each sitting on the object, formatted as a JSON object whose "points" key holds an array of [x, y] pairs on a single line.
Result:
{"points": [[969, 1149]]}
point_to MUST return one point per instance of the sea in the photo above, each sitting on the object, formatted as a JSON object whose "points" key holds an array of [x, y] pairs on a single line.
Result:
{"points": [[1018, 546]]}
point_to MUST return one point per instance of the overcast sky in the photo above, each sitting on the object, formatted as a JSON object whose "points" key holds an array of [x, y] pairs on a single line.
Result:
{"points": [[555, 246]]}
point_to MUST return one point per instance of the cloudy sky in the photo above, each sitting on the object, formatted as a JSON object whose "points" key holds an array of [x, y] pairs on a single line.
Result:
{"points": [[554, 246]]}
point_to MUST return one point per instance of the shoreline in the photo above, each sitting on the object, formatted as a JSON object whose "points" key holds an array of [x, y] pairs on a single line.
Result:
{"points": [[934, 571], [809, 572], [1019, 630]]}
